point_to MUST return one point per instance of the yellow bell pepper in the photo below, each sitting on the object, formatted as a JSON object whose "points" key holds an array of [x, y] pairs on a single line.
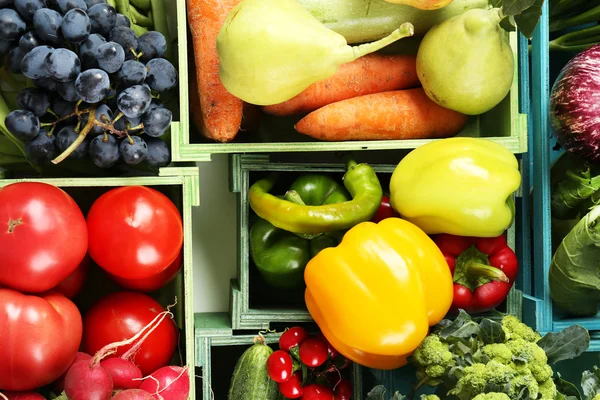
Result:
{"points": [[460, 186], [376, 294]]}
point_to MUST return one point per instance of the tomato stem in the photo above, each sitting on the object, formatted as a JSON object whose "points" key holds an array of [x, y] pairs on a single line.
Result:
{"points": [[13, 223]]}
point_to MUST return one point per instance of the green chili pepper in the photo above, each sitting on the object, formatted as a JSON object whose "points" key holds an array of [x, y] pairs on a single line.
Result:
{"points": [[361, 182], [159, 17], [141, 4]]}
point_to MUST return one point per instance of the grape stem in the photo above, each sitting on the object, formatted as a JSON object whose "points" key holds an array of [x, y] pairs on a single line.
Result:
{"points": [[91, 122]]}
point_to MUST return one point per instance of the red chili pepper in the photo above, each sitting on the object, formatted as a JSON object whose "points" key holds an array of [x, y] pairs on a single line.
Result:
{"points": [[484, 270], [385, 211]]}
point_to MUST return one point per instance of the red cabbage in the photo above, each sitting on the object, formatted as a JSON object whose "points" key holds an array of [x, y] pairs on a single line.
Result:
{"points": [[575, 105]]}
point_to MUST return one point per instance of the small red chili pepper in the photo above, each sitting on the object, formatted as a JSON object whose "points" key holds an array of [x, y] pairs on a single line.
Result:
{"points": [[484, 270], [384, 211]]}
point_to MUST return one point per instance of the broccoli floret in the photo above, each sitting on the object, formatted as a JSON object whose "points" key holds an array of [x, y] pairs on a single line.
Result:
{"points": [[430, 397], [491, 396], [498, 352], [478, 377], [432, 359], [515, 329], [548, 390], [596, 397]]}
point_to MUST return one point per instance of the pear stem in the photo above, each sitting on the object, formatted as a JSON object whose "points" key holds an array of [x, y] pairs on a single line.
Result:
{"points": [[406, 30]]}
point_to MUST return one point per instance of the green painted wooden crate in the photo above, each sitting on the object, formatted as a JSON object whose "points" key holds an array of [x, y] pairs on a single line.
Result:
{"points": [[254, 305], [218, 348], [181, 186], [504, 124]]}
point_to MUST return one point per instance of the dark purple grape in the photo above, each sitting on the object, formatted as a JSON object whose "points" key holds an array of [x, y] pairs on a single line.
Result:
{"points": [[110, 57], [92, 85], [34, 100], [157, 121], [161, 75], [27, 8], [29, 41], [12, 25], [65, 137], [41, 149], [132, 73], [5, 46], [48, 84], [63, 65], [124, 123], [23, 124], [152, 44], [133, 151], [64, 6], [125, 37], [123, 21], [76, 26], [134, 101], [103, 114], [158, 153], [103, 18], [62, 107], [89, 50], [33, 65], [46, 23], [91, 3], [104, 151], [14, 58], [6, 3], [67, 91]]}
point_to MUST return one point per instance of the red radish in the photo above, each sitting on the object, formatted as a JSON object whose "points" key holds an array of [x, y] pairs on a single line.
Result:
{"points": [[293, 337], [87, 380], [333, 353], [59, 384], [168, 383], [292, 388], [280, 366], [313, 353], [124, 373], [21, 396], [133, 394]]}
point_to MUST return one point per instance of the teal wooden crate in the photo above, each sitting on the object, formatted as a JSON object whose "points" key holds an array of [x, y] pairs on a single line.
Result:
{"points": [[255, 305], [505, 124], [541, 310], [181, 186], [218, 348]]}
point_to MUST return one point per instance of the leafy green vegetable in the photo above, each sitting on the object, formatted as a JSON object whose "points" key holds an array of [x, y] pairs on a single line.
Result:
{"points": [[461, 328], [590, 383], [491, 332], [567, 344], [525, 14], [566, 388], [574, 277], [378, 393]]}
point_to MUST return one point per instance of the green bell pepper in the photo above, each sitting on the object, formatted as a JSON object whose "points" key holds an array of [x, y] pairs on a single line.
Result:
{"points": [[281, 256]]}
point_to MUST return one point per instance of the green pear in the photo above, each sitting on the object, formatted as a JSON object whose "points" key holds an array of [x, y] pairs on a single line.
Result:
{"points": [[271, 50], [466, 63]]}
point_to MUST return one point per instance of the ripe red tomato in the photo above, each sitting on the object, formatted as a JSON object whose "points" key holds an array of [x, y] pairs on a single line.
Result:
{"points": [[119, 316], [293, 337], [43, 237], [72, 284], [135, 232], [153, 282], [39, 338]]}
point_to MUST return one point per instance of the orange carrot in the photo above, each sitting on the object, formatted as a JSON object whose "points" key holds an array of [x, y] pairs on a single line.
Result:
{"points": [[221, 111], [400, 114], [372, 73]]}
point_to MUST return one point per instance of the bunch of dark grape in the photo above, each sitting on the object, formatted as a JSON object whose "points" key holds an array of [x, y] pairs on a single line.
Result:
{"points": [[97, 84]]}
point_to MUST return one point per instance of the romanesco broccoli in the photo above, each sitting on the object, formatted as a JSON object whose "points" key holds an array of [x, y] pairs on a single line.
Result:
{"points": [[491, 396], [432, 359]]}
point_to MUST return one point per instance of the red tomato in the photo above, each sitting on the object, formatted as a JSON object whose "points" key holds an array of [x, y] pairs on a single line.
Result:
{"points": [[46, 237], [72, 284], [38, 340], [154, 282], [119, 316], [135, 232]]}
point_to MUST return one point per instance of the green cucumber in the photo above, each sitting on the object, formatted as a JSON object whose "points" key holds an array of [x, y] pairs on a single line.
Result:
{"points": [[362, 21], [250, 379]]}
